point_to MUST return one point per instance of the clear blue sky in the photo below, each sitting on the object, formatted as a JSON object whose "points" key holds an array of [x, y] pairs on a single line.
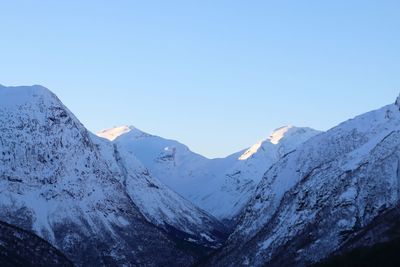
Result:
{"points": [[217, 75]]}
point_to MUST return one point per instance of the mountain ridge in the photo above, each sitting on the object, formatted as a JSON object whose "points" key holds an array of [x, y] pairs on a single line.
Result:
{"points": [[65, 185], [310, 201], [209, 183], [297, 198]]}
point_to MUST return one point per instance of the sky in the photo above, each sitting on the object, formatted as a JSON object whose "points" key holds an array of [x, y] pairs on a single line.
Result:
{"points": [[216, 75]]}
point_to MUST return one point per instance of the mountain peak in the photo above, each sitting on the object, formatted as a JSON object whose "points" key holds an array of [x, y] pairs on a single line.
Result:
{"points": [[277, 135], [27, 88], [289, 135], [116, 132], [13, 96]]}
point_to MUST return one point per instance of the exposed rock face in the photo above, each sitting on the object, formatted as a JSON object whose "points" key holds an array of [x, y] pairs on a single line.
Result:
{"points": [[313, 200]]}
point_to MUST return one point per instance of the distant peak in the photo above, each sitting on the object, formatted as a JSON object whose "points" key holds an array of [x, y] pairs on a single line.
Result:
{"points": [[274, 138], [279, 133], [113, 133]]}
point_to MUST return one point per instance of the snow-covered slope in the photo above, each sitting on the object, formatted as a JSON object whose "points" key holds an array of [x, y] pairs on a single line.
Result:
{"points": [[69, 187], [159, 204], [315, 198], [222, 187], [169, 161], [233, 185]]}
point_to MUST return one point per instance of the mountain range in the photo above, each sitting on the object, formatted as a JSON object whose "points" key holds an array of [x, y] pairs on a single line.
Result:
{"points": [[300, 197], [223, 186]]}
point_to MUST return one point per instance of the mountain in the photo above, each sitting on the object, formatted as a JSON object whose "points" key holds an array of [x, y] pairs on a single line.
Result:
{"points": [[72, 189], [298, 198], [169, 161], [222, 187], [231, 187], [160, 205], [321, 197], [21, 248]]}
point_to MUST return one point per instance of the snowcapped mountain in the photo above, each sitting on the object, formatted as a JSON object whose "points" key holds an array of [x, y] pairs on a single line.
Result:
{"points": [[300, 196], [234, 185], [159, 204], [72, 189], [169, 161], [322, 197], [222, 187]]}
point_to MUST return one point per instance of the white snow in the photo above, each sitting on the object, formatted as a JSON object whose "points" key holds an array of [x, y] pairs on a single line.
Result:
{"points": [[112, 134], [14, 97], [159, 204], [251, 151], [327, 160], [54, 172], [222, 187]]}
